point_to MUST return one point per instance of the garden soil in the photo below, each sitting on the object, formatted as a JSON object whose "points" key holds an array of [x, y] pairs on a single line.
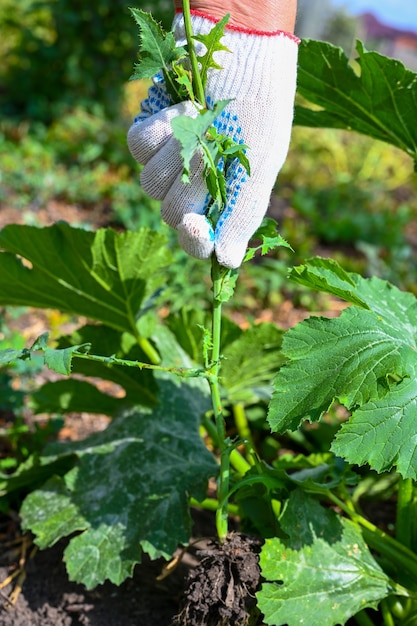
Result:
{"points": [[48, 598], [212, 585]]}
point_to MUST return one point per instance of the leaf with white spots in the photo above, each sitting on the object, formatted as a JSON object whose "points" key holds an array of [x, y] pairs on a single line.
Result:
{"points": [[129, 489], [322, 573]]}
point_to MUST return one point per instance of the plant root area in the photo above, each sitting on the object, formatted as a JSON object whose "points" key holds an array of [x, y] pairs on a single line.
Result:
{"points": [[211, 585], [221, 589]]}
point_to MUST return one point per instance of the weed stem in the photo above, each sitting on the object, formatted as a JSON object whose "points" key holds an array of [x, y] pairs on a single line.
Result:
{"points": [[223, 443], [197, 83]]}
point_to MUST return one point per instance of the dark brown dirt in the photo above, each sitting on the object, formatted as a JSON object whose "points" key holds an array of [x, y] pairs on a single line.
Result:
{"points": [[221, 589], [48, 598], [219, 583]]}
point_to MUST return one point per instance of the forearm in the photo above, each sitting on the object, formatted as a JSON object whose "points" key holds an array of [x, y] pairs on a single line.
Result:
{"points": [[272, 15]]}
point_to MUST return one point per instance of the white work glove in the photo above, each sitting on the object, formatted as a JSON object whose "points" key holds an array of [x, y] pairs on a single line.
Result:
{"points": [[259, 74]]}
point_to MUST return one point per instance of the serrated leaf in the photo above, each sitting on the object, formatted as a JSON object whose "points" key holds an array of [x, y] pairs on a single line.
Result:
{"points": [[365, 360], [9, 355], [212, 44], [58, 360], [190, 132], [326, 275], [157, 49], [270, 238], [129, 491], [324, 570], [105, 275], [380, 102], [345, 359], [383, 432], [184, 89], [227, 284]]}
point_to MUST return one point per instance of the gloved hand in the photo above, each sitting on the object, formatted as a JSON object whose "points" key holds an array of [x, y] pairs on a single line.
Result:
{"points": [[259, 74]]}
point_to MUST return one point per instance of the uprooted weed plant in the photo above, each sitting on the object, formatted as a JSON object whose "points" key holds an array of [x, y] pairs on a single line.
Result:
{"points": [[316, 426]]}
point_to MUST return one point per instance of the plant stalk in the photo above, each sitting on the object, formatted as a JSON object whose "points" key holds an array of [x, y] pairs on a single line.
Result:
{"points": [[243, 429], [184, 372], [213, 373], [237, 461], [195, 70], [210, 504], [224, 448], [387, 617], [363, 619], [404, 517]]}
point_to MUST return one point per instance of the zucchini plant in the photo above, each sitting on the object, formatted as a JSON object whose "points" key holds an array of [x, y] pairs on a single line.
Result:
{"points": [[205, 399]]}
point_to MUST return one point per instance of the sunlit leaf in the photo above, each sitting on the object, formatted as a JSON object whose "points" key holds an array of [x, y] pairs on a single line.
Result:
{"points": [[323, 569], [366, 360], [380, 100], [158, 49], [212, 44], [106, 276]]}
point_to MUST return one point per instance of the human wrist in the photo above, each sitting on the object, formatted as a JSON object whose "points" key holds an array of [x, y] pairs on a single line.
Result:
{"points": [[275, 14]]}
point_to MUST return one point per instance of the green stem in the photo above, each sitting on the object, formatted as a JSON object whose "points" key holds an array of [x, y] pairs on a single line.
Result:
{"points": [[404, 517], [149, 350], [362, 618], [237, 461], [387, 617], [213, 372], [242, 426], [195, 70], [210, 504], [224, 449], [184, 372]]}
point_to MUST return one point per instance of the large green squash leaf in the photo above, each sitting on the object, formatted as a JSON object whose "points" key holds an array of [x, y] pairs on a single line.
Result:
{"points": [[380, 101], [366, 360], [129, 490], [323, 569], [106, 276]]}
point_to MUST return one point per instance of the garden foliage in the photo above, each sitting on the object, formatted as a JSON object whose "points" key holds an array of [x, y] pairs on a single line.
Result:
{"points": [[86, 48], [127, 490]]}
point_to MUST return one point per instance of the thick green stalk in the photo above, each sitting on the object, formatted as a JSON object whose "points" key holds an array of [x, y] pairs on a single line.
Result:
{"points": [[237, 461], [387, 617], [243, 429], [363, 619], [149, 350], [210, 504], [404, 518]]}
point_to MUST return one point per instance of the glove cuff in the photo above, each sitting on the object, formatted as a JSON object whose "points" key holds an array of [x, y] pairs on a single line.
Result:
{"points": [[240, 29], [253, 63]]}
